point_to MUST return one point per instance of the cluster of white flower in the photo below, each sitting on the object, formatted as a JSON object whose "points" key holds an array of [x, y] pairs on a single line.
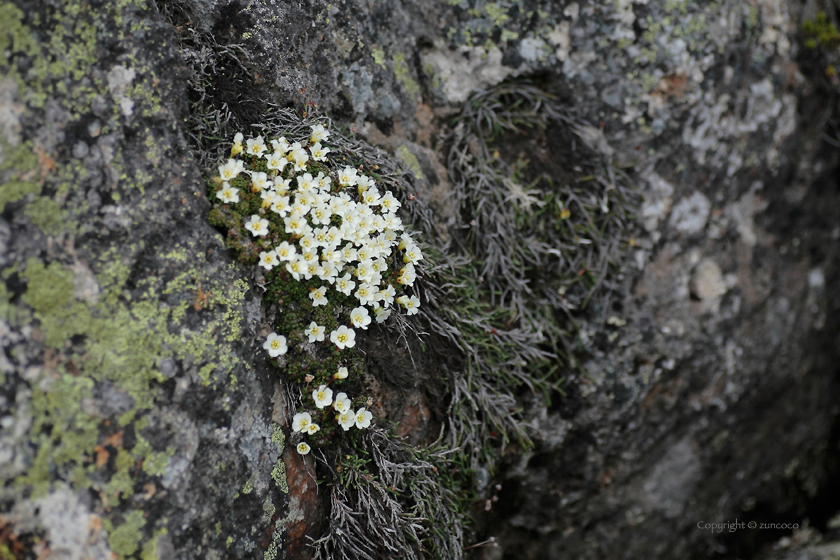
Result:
{"points": [[345, 416], [343, 230]]}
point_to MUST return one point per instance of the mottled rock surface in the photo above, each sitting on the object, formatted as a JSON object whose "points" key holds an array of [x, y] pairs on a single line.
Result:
{"points": [[139, 417]]}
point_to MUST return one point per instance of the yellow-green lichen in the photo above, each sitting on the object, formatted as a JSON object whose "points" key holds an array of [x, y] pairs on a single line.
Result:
{"points": [[271, 551], [401, 72], [46, 214], [22, 164], [496, 13], [125, 539], [508, 36], [378, 57], [149, 551], [278, 475], [268, 509], [121, 484], [410, 160]]}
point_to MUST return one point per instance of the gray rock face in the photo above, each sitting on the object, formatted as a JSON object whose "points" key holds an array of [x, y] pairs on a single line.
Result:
{"points": [[139, 416]]}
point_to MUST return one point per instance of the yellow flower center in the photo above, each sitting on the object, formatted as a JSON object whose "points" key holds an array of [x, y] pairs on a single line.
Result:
{"points": [[342, 338], [275, 345], [321, 396]]}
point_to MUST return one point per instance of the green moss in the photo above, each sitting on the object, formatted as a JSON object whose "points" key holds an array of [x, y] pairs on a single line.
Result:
{"points": [[125, 539], [401, 72]]}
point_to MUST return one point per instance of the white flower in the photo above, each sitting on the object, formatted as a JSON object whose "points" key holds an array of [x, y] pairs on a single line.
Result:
{"points": [[342, 403], [333, 235], [315, 332], [305, 182], [303, 448], [386, 296], [258, 226], [237, 144], [342, 373], [301, 421], [407, 275], [308, 242], [364, 271], [343, 337], [319, 153], [280, 145], [285, 252], [228, 194], [382, 314], [314, 269], [360, 317], [300, 158], [268, 198], [365, 294], [318, 133], [371, 197], [282, 186], [277, 162], [310, 255], [364, 183], [321, 215], [319, 296], [324, 182], [347, 177], [313, 428], [256, 146], [329, 272], [230, 170], [322, 396], [364, 254], [280, 205], [389, 203], [268, 259], [412, 254], [363, 418], [259, 181], [345, 285], [296, 267], [276, 345], [412, 306], [349, 253], [347, 419], [295, 224]]}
